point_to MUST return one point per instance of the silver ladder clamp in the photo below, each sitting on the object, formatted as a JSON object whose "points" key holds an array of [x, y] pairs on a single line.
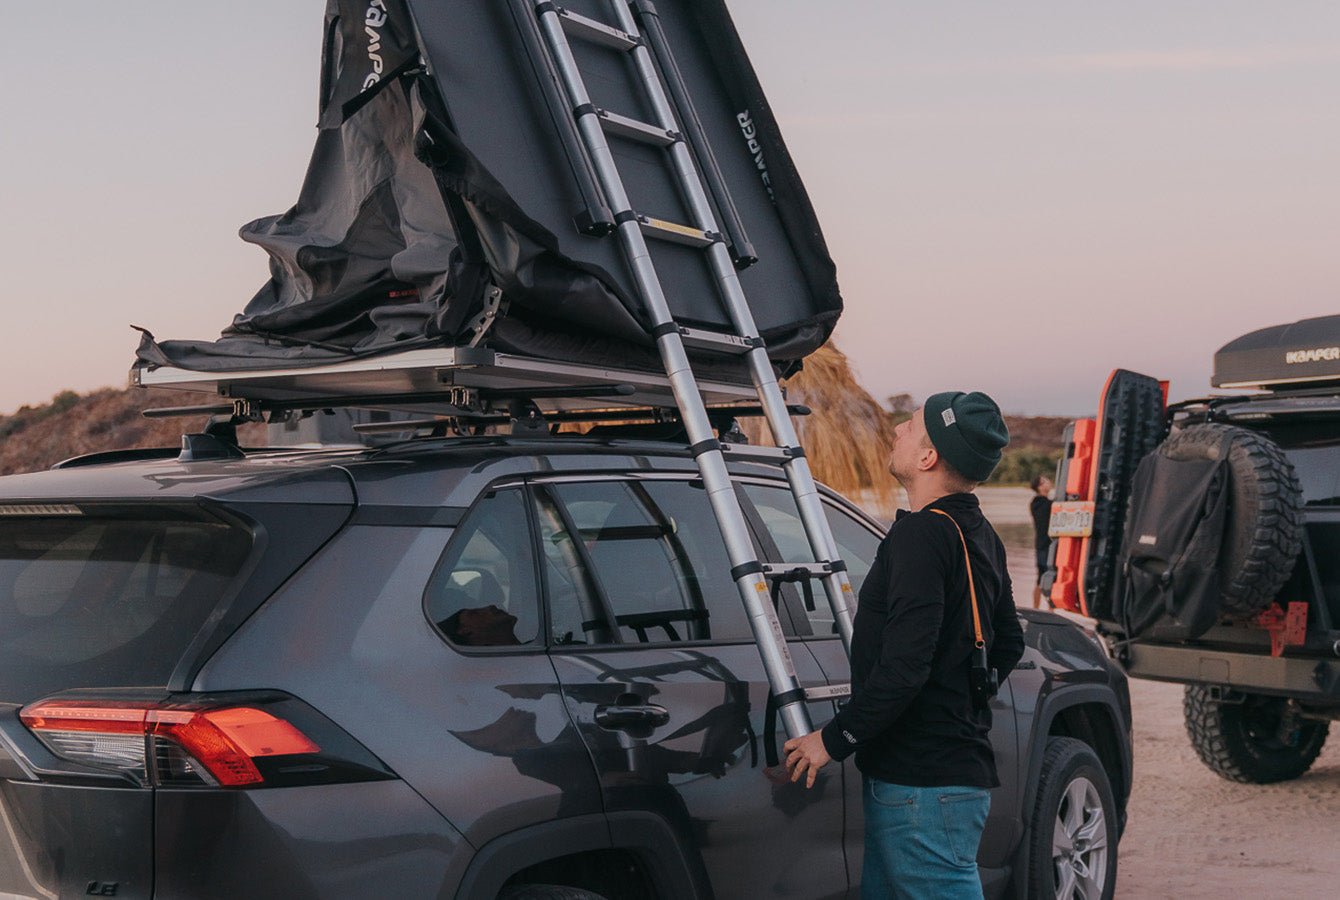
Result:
{"points": [[556, 25]]}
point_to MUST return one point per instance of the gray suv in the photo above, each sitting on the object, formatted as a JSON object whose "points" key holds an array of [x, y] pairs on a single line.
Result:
{"points": [[472, 667]]}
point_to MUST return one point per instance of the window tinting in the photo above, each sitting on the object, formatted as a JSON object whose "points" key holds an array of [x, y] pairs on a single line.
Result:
{"points": [[1318, 474], [483, 592], [659, 562], [92, 601], [856, 543]]}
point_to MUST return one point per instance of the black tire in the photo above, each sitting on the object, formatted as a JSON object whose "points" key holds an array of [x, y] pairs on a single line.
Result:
{"points": [[546, 892], [1252, 740], [1264, 531], [1072, 846]]}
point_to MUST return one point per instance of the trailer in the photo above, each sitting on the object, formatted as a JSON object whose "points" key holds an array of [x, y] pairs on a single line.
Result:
{"points": [[1201, 536]]}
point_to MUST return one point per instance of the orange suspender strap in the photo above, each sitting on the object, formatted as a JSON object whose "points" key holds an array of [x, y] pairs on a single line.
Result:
{"points": [[972, 591]]}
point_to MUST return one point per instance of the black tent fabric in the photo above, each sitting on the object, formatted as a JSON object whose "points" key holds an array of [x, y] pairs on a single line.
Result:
{"points": [[439, 171]]}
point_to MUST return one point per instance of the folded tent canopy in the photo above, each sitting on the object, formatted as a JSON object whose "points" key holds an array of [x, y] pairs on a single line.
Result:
{"points": [[440, 171]]}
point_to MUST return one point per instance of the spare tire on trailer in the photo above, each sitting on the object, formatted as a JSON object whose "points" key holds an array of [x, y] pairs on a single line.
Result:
{"points": [[1264, 531]]}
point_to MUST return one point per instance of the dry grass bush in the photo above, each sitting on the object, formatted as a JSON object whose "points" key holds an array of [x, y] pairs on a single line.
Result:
{"points": [[847, 434]]}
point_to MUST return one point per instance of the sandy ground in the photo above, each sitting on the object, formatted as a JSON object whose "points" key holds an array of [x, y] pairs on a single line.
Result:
{"points": [[1190, 834]]}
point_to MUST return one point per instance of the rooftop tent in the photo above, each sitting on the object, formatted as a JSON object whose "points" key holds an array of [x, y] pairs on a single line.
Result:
{"points": [[1305, 353], [440, 172]]}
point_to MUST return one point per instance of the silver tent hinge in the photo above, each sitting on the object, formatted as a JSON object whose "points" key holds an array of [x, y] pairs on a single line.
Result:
{"points": [[493, 308]]}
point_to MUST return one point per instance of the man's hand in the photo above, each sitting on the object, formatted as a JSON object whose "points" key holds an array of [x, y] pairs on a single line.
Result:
{"points": [[806, 755]]}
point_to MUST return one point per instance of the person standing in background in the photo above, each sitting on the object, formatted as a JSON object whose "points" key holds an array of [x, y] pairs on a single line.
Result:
{"points": [[1041, 509]]}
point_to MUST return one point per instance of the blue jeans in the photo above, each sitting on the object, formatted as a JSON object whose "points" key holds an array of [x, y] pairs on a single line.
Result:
{"points": [[921, 843]]}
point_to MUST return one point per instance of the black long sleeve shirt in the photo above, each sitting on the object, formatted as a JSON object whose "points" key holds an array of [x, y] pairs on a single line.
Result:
{"points": [[910, 719], [1040, 508]]}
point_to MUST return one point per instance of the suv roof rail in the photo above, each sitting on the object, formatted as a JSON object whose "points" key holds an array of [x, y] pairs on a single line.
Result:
{"points": [[107, 457]]}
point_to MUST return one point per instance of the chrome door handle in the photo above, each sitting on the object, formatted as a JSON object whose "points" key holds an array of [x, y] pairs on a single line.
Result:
{"points": [[642, 715]]}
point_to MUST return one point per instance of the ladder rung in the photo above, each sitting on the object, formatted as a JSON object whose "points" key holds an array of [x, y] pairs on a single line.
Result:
{"points": [[750, 453], [828, 692], [638, 131], [702, 339], [596, 32], [676, 233], [800, 570]]}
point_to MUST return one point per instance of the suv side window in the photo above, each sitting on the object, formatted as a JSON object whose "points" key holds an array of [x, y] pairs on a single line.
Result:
{"points": [[776, 507], [483, 591], [656, 559], [577, 611]]}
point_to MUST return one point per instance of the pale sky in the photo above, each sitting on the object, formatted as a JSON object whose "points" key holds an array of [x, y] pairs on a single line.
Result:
{"points": [[1020, 196]]}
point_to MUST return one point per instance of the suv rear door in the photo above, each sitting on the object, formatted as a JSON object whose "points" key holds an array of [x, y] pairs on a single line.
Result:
{"points": [[661, 675], [101, 599]]}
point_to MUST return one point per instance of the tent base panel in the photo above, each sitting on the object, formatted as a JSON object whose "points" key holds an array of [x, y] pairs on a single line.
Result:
{"points": [[431, 375]]}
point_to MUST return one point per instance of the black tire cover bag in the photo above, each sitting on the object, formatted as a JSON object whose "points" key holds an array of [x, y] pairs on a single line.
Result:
{"points": [[1213, 529]]}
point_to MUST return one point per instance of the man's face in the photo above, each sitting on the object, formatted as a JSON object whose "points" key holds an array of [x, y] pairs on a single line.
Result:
{"points": [[1045, 486], [909, 443]]}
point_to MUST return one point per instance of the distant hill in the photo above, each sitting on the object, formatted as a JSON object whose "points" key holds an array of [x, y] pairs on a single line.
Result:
{"points": [[36, 437], [1040, 432]]}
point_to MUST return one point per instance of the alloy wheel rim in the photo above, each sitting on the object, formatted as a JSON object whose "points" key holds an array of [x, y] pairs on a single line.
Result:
{"points": [[1079, 843]]}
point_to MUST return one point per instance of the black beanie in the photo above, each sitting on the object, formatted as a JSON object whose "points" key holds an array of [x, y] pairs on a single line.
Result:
{"points": [[967, 431]]}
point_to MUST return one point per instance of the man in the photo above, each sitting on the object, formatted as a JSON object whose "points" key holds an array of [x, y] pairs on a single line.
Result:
{"points": [[922, 748], [1040, 508]]}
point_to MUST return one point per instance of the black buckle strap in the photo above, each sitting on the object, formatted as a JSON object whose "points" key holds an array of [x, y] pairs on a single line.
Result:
{"points": [[753, 567], [708, 446]]}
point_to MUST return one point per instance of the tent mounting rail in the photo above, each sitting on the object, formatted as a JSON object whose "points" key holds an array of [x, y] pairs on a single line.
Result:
{"points": [[431, 381]]}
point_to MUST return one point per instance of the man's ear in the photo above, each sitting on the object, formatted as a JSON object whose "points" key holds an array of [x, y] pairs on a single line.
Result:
{"points": [[929, 457]]}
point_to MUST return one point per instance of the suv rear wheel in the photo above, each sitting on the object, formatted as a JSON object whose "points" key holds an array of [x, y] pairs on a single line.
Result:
{"points": [[1255, 740], [1073, 847]]}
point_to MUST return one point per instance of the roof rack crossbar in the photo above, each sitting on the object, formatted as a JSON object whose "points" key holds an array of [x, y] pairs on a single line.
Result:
{"points": [[631, 416]]}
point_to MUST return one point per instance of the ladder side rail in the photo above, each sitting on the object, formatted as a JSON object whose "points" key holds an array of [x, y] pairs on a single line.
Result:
{"points": [[837, 585], [742, 251], [746, 568], [595, 218]]}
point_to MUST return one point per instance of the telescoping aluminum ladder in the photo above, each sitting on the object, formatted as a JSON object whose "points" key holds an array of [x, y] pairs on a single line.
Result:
{"points": [[637, 32]]}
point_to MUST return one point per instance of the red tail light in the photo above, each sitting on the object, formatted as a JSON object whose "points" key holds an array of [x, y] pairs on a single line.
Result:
{"points": [[131, 736]]}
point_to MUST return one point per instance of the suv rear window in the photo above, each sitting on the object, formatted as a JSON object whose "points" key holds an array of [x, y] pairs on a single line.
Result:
{"points": [[1314, 451], [106, 601]]}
